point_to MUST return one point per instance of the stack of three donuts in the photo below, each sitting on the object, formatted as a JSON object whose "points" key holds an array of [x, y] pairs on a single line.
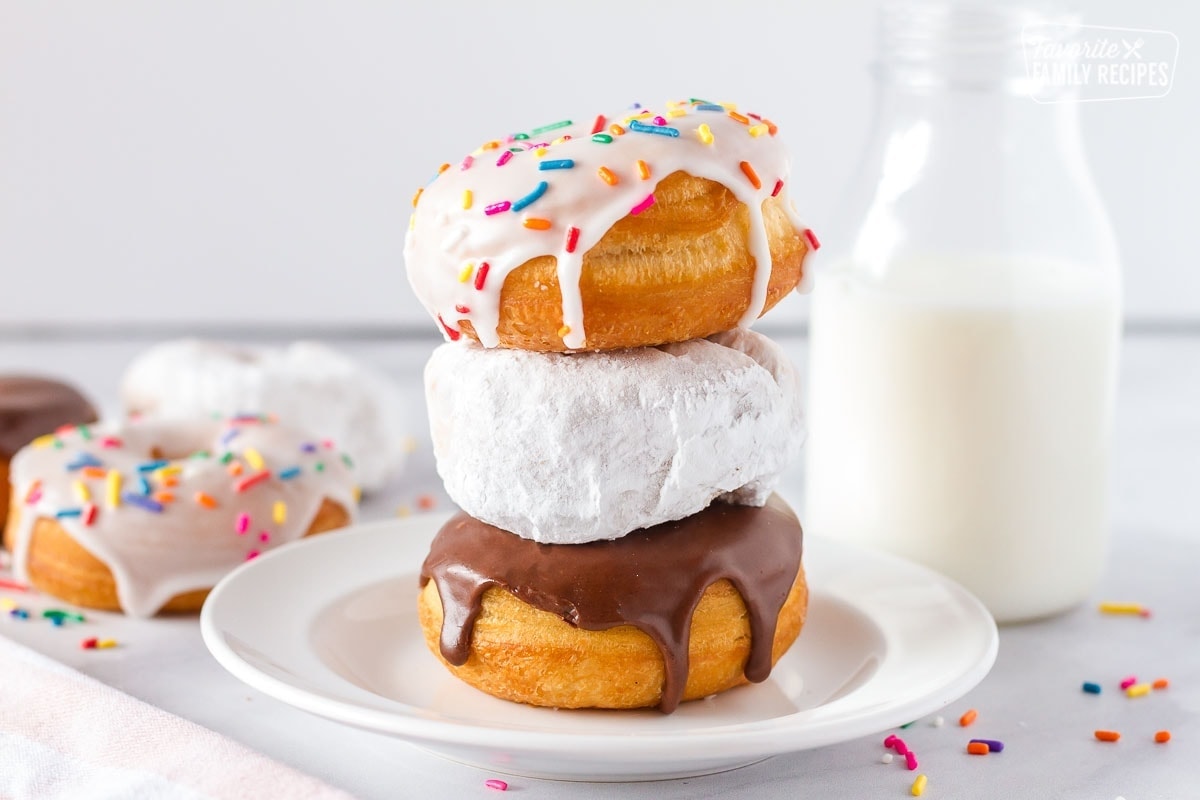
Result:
{"points": [[611, 430]]}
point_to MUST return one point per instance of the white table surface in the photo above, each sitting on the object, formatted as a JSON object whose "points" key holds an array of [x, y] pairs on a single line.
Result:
{"points": [[1031, 700]]}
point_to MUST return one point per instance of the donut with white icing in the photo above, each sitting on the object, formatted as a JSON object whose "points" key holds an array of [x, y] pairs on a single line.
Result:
{"points": [[572, 448], [147, 515], [636, 228], [306, 384]]}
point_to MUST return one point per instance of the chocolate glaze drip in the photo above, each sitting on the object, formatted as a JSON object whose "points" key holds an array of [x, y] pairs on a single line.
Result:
{"points": [[31, 407], [651, 579]]}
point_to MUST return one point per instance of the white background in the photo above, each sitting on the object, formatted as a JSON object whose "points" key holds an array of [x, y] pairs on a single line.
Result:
{"points": [[252, 163]]}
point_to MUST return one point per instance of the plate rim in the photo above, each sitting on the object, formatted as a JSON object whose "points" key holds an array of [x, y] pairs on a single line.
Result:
{"points": [[754, 739]]}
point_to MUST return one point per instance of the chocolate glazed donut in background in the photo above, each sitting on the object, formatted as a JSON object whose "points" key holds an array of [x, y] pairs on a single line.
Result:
{"points": [[611, 432], [31, 407]]}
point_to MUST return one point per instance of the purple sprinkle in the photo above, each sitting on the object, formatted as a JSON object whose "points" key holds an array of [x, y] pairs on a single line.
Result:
{"points": [[496, 208], [229, 435], [308, 447], [993, 745], [148, 503]]}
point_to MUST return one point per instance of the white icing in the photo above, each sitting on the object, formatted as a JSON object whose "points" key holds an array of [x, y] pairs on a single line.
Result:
{"points": [[444, 238], [307, 384], [186, 546], [571, 448]]}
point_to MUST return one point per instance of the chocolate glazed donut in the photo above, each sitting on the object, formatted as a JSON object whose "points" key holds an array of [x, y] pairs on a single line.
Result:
{"points": [[737, 562]]}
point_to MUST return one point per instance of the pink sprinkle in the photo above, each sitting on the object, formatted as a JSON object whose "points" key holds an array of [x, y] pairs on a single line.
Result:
{"points": [[327, 444], [504, 157], [910, 760], [1130, 681], [251, 555], [5, 583], [263, 536], [33, 496], [243, 522], [642, 206], [1144, 613], [467, 162], [496, 783], [812, 239], [110, 442], [890, 740], [900, 746], [496, 208], [659, 121]]}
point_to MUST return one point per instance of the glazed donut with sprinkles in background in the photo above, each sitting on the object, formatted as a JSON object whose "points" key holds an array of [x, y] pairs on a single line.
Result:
{"points": [[637, 228], [147, 515]]}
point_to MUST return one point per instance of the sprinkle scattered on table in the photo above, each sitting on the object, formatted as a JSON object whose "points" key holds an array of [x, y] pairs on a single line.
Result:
{"points": [[497, 784]]}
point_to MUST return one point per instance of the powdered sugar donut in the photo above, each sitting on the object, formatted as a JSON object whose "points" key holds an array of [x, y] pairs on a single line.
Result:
{"points": [[571, 448], [307, 384], [149, 514]]}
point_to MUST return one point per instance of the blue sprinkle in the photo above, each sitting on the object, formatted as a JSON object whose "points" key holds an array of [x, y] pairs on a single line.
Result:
{"points": [[144, 486], [151, 466], [1091, 688], [19, 613], [229, 434], [710, 107], [56, 621], [288, 474], [661, 130], [308, 447], [559, 163], [635, 106], [528, 199], [148, 503], [84, 460], [68, 512]]}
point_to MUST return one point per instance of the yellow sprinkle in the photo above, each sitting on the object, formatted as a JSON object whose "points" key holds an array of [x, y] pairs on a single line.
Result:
{"points": [[81, 491], [918, 787], [417, 197], [44, 441], [412, 221], [113, 487], [253, 458], [7, 604], [1121, 608], [705, 133], [467, 198], [1138, 690], [757, 130], [403, 511], [279, 512], [169, 471], [563, 331], [728, 106], [104, 644], [640, 115], [357, 493], [676, 112], [643, 170], [539, 152], [464, 274], [559, 140], [409, 444]]}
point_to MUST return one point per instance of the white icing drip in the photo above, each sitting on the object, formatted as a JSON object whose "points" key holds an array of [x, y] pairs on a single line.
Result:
{"points": [[156, 556], [446, 243]]}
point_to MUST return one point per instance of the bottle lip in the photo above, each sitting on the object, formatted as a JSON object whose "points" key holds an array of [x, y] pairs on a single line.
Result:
{"points": [[940, 44]]}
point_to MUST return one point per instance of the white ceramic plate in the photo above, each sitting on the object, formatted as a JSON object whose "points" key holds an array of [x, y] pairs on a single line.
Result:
{"points": [[329, 625]]}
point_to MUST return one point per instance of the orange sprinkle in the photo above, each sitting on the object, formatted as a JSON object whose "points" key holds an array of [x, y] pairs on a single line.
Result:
{"points": [[417, 197], [206, 500], [94, 472], [751, 175], [608, 176], [492, 145], [1108, 736], [967, 718], [742, 119], [978, 749], [1162, 737], [425, 502], [170, 481], [536, 223], [563, 331], [164, 497], [443, 168], [235, 468], [772, 128], [1161, 683], [643, 170], [616, 130]]}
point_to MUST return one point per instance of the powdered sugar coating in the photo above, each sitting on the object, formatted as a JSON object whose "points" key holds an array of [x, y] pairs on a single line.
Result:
{"points": [[572, 448]]}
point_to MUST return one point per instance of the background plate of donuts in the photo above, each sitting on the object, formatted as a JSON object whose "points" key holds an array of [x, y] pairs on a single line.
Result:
{"points": [[886, 641]]}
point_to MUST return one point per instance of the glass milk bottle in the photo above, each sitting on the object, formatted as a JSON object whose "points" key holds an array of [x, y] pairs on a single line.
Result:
{"points": [[964, 342]]}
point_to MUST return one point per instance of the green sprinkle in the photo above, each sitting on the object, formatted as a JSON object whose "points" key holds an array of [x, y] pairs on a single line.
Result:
{"points": [[58, 444], [200, 454], [319, 466], [346, 460], [602, 138], [225, 459], [520, 137], [560, 124], [85, 433], [908, 725]]}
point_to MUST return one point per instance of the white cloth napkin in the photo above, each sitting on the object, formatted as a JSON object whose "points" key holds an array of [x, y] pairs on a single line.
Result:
{"points": [[65, 735]]}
